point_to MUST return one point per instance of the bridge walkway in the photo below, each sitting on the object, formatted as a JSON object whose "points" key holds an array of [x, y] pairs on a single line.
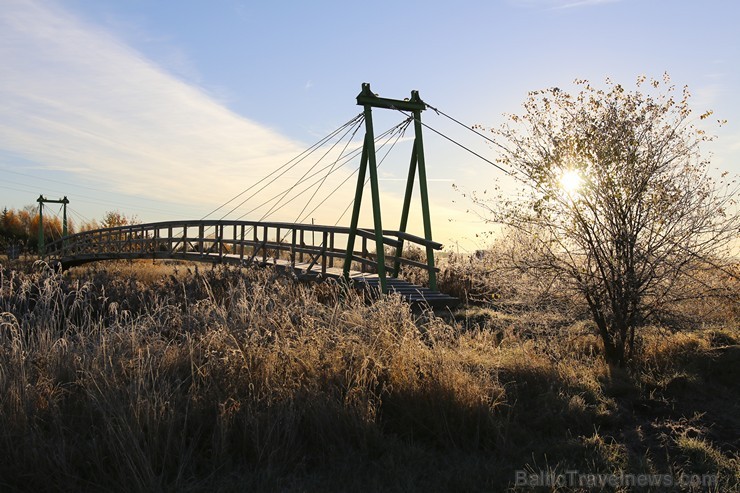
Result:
{"points": [[311, 252]]}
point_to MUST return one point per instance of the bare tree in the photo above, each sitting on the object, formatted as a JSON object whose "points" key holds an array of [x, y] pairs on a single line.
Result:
{"points": [[616, 199]]}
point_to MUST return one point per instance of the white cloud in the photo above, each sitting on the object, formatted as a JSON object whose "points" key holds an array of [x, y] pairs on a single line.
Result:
{"points": [[75, 98]]}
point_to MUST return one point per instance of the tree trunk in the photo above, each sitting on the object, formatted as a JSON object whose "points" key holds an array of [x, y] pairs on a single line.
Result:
{"points": [[613, 339]]}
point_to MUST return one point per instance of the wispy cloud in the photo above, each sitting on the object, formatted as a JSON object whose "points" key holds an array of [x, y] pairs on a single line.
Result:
{"points": [[561, 4], [566, 4], [73, 97]]}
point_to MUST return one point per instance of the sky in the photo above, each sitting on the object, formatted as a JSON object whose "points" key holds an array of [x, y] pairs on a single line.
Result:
{"points": [[168, 109]]}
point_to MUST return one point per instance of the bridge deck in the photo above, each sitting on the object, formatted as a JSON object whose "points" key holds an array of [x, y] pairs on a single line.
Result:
{"points": [[285, 246], [414, 294]]}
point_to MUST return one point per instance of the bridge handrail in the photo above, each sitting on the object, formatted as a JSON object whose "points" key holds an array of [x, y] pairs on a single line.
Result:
{"points": [[126, 236], [282, 225]]}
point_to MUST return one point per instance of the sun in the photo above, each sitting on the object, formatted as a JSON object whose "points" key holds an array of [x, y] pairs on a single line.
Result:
{"points": [[570, 181]]}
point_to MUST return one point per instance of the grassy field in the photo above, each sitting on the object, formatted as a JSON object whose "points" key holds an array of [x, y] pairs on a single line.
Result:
{"points": [[142, 377]]}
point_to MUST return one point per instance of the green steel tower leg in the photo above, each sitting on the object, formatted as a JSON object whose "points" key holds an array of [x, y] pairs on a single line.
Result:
{"points": [[405, 211], [65, 201], [419, 146], [375, 193], [41, 200], [355, 211], [368, 160]]}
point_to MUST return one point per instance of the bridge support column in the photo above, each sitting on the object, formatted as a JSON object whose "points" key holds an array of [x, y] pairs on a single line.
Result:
{"points": [[415, 105], [355, 211], [423, 192], [41, 200], [375, 196]]}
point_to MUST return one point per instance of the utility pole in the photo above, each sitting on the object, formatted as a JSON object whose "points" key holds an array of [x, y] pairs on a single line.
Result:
{"points": [[41, 200]]}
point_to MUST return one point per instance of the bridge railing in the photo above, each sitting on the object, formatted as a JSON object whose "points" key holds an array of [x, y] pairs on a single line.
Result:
{"points": [[306, 246]]}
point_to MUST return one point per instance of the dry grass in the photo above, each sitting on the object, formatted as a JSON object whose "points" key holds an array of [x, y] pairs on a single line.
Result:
{"points": [[141, 377]]}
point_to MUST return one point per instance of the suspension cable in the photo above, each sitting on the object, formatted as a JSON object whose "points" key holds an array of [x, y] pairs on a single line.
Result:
{"points": [[304, 177], [52, 231], [399, 129], [81, 216], [280, 195], [300, 157], [275, 208], [440, 112], [313, 195], [402, 131], [497, 166], [83, 219]]}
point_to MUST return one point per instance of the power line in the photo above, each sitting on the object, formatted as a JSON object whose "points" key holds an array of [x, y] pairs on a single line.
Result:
{"points": [[16, 189], [76, 185], [90, 199], [84, 198]]}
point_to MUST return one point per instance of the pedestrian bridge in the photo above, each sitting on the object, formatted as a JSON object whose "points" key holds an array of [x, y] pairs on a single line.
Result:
{"points": [[311, 252]]}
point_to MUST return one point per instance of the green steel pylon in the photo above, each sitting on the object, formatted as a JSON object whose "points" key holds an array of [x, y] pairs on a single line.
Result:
{"points": [[414, 105], [41, 200]]}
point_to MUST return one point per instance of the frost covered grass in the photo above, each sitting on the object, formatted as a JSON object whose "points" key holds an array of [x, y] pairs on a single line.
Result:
{"points": [[128, 378]]}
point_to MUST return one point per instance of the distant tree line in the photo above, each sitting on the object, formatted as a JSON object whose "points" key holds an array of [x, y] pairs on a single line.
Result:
{"points": [[19, 228]]}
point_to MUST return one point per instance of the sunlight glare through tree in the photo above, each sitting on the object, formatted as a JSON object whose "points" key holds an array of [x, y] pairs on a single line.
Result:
{"points": [[570, 181], [618, 203]]}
